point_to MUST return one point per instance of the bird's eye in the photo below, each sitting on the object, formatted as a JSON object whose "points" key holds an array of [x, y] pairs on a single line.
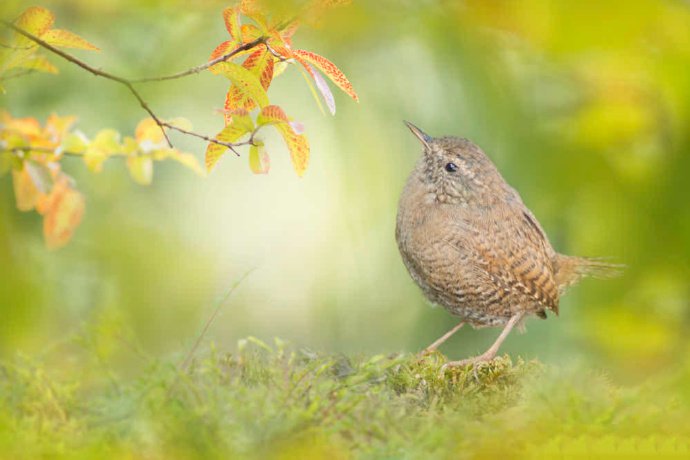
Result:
{"points": [[451, 167]]}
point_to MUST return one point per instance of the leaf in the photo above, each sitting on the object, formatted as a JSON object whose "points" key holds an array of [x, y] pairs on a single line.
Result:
{"points": [[26, 193], [141, 168], [239, 125], [246, 82], [105, 144], [40, 175], [75, 142], [39, 63], [35, 20], [259, 161], [185, 159], [224, 48], [259, 63], [148, 130], [321, 85], [67, 39], [297, 144], [331, 71], [231, 15], [62, 212]]}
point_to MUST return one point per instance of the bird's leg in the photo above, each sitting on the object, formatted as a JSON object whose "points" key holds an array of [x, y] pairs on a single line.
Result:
{"points": [[489, 354], [431, 348]]}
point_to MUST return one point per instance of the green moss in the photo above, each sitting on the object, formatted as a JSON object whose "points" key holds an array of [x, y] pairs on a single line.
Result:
{"points": [[278, 402]]}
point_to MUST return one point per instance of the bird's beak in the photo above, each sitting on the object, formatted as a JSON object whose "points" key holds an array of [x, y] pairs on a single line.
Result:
{"points": [[421, 135]]}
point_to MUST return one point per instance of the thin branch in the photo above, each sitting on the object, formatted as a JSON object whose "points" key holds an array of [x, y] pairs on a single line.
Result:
{"points": [[129, 83], [202, 67]]}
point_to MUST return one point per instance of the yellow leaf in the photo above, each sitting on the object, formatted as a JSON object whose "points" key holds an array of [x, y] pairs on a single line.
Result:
{"points": [[297, 143], [186, 159], [231, 15], [67, 39], [141, 169], [240, 123], [245, 81], [35, 20], [105, 144], [62, 212], [39, 63], [75, 143], [148, 130]]}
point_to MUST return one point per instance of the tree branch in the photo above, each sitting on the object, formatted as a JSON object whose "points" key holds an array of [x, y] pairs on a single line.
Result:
{"points": [[129, 83]]}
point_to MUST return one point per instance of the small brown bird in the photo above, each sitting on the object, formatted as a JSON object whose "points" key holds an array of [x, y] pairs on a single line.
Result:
{"points": [[472, 246]]}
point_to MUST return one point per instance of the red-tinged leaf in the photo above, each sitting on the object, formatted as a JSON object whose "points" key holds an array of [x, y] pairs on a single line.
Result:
{"points": [[260, 63], [240, 123], [259, 161], [62, 212], [67, 39], [297, 144], [231, 16], [26, 193], [331, 71], [224, 48], [289, 32], [39, 63], [248, 84], [321, 85], [141, 168], [35, 20], [279, 46]]}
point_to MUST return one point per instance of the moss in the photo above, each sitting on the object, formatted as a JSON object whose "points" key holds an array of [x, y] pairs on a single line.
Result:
{"points": [[274, 401]]}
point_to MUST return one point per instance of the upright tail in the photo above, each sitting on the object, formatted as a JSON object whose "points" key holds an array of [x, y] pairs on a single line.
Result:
{"points": [[571, 269]]}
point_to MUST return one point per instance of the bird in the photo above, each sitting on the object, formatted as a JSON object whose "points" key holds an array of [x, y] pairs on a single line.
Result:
{"points": [[472, 245]]}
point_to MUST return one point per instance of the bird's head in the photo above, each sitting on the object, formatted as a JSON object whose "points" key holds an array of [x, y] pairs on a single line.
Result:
{"points": [[456, 169]]}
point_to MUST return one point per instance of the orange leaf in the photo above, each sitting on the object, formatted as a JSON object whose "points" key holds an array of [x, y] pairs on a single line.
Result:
{"points": [[67, 39], [26, 193], [331, 71], [62, 212], [231, 15], [297, 144]]}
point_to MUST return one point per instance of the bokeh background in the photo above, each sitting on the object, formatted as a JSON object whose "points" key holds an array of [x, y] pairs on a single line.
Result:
{"points": [[584, 107]]}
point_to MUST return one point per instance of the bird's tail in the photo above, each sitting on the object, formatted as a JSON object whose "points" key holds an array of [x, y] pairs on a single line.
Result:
{"points": [[572, 269]]}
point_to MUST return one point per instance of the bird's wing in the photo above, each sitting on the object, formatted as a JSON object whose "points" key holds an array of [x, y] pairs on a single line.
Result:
{"points": [[507, 246]]}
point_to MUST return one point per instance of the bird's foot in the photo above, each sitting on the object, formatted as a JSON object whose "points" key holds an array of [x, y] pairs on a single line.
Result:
{"points": [[483, 358]]}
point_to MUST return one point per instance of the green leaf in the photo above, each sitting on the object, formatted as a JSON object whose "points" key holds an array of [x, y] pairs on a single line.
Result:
{"points": [[259, 161], [245, 81]]}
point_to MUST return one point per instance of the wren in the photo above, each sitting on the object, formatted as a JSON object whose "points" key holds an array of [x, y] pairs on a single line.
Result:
{"points": [[472, 245]]}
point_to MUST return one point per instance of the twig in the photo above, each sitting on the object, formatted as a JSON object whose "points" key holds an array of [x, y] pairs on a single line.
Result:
{"points": [[129, 83], [219, 304], [202, 67]]}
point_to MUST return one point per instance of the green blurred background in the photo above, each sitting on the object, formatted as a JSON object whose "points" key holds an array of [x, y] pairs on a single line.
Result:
{"points": [[584, 107]]}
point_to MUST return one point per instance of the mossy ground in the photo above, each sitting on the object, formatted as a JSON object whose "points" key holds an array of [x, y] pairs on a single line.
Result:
{"points": [[276, 401]]}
